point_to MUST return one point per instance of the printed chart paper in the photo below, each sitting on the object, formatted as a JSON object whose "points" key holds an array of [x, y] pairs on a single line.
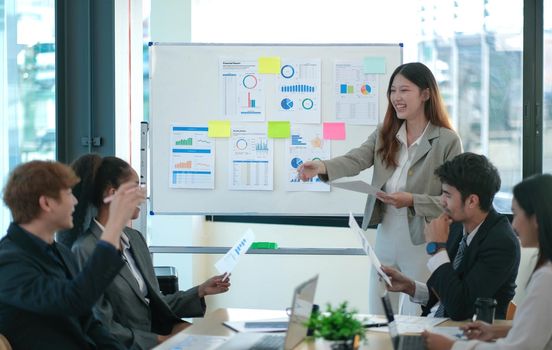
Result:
{"points": [[251, 156], [192, 156], [242, 94], [298, 92], [367, 247], [228, 262], [306, 143], [356, 94]]}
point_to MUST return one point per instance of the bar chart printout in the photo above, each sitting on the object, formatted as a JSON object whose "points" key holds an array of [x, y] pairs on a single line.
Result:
{"points": [[306, 143], [297, 94], [191, 157], [243, 99], [251, 157]]}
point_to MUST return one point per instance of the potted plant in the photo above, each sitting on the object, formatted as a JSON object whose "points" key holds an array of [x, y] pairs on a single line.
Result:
{"points": [[337, 325]]}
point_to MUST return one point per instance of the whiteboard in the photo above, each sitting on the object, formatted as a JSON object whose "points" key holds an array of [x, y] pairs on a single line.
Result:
{"points": [[184, 85]]}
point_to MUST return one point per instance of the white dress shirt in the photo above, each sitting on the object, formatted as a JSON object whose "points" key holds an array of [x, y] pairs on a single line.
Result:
{"points": [[531, 327]]}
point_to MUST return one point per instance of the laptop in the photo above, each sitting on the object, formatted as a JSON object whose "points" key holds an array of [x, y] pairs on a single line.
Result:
{"points": [[301, 307], [400, 341]]}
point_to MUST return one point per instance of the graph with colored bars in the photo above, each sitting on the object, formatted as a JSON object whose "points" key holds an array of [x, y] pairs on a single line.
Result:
{"points": [[262, 145], [297, 140], [184, 142], [251, 103], [365, 89], [297, 88]]}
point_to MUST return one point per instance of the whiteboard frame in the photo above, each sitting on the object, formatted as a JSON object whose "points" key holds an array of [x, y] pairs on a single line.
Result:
{"points": [[164, 200]]}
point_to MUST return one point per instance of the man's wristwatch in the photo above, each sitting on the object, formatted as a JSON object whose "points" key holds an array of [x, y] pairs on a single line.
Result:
{"points": [[433, 247]]}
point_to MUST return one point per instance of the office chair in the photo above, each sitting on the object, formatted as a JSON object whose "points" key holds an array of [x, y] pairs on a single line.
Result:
{"points": [[167, 278], [4, 343]]}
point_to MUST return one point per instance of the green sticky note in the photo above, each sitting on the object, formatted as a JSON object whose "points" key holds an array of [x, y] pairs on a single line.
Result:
{"points": [[219, 128], [269, 65], [374, 65], [279, 129]]}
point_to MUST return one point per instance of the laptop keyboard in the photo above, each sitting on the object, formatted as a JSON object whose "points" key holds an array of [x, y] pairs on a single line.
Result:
{"points": [[269, 342]]}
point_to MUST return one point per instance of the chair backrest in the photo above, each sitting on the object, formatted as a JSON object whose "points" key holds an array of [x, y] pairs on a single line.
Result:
{"points": [[511, 310], [4, 343]]}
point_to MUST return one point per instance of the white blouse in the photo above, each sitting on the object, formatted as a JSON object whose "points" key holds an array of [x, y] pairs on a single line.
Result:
{"points": [[532, 324]]}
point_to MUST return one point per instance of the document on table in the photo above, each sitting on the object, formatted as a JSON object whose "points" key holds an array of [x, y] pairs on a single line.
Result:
{"points": [[368, 248], [268, 325], [229, 261], [357, 186], [411, 324], [193, 342]]}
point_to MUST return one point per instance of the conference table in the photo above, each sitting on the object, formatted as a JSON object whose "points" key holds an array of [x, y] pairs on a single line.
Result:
{"points": [[212, 325]]}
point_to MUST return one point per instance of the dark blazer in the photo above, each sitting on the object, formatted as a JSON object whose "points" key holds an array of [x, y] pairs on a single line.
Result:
{"points": [[122, 307], [488, 269], [43, 305]]}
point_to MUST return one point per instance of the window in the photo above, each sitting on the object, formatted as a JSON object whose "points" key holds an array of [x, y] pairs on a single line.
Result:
{"points": [[27, 75], [547, 89], [474, 48]]}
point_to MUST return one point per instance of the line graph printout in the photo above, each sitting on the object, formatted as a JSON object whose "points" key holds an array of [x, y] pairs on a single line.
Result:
{"points": [[251, 156], [242, 94], [306, 143], [191, 157]]}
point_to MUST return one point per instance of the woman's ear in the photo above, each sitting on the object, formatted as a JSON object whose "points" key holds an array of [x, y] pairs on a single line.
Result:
{"points": [[426, 94]]}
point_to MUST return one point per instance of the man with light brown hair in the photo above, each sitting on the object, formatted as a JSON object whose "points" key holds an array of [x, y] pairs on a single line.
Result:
{"points": [[45, 303]]}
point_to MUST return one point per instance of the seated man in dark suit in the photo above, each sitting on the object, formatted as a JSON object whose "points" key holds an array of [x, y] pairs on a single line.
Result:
{"points": [[44, 302], [476, 256]]}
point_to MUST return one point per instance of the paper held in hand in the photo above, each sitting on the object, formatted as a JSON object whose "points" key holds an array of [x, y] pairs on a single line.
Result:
{"points": [[357, 186], [229, 261], [368, 248]]}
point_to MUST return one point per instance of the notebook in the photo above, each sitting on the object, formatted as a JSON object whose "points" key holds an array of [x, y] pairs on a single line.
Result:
{"points": [[301, 307], [400, 341]]}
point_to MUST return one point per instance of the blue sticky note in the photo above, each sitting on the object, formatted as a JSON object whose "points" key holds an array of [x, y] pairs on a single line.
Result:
{"points": [[374, 65]]}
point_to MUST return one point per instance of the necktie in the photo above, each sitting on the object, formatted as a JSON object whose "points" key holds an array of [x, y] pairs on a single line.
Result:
{"points": [[457, 260]]}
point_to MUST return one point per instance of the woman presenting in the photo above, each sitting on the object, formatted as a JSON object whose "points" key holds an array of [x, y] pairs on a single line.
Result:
{"points": [[416, 137]]}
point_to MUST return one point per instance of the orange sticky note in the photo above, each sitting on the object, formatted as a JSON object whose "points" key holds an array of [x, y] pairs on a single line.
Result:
{"points": [[334, 131], [218, 128], [269, 65]]}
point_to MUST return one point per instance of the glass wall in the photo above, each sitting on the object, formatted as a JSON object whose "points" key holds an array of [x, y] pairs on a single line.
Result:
{"points": [[547, 89], [27, 73], [473, 47]]}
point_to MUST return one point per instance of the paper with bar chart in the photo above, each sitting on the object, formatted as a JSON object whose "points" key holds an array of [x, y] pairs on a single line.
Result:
{"points": [[242, 92], [297, 93], [192, 156], [356, 94], [306, 143], [251, 156]]}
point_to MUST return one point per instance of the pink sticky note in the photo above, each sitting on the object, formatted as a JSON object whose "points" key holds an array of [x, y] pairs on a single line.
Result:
{"points": [[334, 131]]}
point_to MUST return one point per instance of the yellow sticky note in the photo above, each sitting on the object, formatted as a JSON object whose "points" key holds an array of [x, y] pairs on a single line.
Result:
{"points": [[279, 129], [218, 128], [269, 65]]}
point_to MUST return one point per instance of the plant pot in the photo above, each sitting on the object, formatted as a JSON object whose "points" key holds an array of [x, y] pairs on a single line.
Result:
{"points": [[341, 344]]}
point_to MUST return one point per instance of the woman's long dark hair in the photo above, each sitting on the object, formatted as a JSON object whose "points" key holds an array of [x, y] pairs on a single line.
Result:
{"points": [[534, 196], [96, 174], [434, 109]]}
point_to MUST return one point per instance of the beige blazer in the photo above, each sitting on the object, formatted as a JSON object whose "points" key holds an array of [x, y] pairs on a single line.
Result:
{"points": [[436, 146]]}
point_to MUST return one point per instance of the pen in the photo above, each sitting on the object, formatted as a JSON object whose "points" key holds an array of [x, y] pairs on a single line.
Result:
{"points": [[372, 325]]}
